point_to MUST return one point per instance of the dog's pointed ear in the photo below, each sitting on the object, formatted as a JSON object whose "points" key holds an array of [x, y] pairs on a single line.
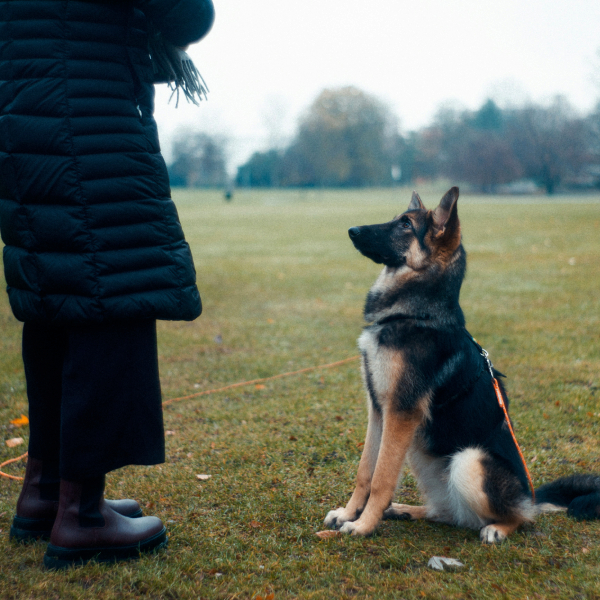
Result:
{"points": [[445, 216], [415, 202]]}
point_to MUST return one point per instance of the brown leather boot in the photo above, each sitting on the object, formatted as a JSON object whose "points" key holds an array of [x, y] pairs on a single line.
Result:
{"points": [[37, 505], [87, 528]]}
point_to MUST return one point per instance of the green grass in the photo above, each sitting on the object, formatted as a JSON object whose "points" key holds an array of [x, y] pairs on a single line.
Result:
{"points": [[284, 288]]}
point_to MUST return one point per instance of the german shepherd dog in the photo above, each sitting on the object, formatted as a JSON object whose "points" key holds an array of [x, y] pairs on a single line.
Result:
{"points": [[430, 394]]}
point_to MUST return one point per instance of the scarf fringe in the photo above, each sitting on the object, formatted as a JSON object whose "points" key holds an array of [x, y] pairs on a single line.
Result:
{"points": [[174, 67]]}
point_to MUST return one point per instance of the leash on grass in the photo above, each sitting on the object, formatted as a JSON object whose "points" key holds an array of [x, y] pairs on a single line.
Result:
{"points": [[8, 462], [261, 380], [502, 404], [206, 393]]}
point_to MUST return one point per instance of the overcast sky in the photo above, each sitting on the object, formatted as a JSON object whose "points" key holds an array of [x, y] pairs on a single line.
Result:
{"points": [[266, 60]]}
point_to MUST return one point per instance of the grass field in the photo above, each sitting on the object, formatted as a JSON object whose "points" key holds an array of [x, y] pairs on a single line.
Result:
{"points": [[283, 289]]}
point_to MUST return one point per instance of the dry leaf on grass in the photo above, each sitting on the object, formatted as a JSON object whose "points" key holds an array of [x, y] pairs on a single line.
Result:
{"points": [[255, 524], [328, 533], [14, 442], [259, 386], [22, 420], [202, 476], [443, 563], [169, 432]]}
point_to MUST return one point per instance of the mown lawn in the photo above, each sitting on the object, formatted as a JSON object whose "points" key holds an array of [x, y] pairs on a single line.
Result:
{"points": [[283, 289]]}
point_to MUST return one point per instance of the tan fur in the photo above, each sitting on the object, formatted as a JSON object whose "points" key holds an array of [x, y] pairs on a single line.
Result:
{"points": [[398, 431], [405, 511], [416, 258], [376, 481], [365, 472]]}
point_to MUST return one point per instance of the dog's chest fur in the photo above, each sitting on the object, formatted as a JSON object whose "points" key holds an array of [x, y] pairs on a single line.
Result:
{"points": [[383, 367]]}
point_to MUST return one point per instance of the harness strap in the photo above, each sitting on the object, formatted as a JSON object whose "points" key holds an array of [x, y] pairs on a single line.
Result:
{"points": [[502, 404]]}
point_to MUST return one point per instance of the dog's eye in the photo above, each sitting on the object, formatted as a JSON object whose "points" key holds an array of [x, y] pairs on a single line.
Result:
{"points": [[405, 223]]}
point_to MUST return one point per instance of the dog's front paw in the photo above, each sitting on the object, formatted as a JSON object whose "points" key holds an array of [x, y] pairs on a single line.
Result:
{"points": [[490, 534], [336, 518], [357, 528]]}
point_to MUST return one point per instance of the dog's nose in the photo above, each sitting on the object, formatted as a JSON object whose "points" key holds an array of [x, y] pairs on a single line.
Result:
{"points": [[354, 232]]}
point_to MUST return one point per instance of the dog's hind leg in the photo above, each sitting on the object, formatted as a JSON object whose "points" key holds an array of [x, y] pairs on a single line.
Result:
{"points": [[431, 475], [405, 512], [482, 494], [397, 436], [336, 518]]}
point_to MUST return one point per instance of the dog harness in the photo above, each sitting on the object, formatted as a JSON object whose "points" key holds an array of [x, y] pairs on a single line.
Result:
{"points": [[502, 404]]}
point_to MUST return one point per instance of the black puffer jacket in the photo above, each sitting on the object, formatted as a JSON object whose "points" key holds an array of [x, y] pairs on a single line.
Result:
{"points": [[90, 231]]}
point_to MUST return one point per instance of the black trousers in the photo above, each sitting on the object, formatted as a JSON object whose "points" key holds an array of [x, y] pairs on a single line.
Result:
{"points": [[94, 397]]}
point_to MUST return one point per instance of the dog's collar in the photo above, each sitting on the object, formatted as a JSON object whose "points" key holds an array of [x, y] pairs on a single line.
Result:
{"points": [[401, 317]]}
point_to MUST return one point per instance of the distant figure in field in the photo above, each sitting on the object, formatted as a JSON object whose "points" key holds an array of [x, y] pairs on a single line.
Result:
{"points": [[94, 255]]}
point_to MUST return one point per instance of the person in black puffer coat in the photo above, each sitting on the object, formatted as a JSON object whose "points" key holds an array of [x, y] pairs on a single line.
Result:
{"points": [[93, 255]]}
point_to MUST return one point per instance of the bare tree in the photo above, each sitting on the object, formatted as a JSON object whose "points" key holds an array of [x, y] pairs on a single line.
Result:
{"points": [[549, 142], [199, 160]]}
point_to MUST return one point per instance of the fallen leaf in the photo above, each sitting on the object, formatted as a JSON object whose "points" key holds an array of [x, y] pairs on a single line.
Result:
{"points": [[150, 504], [328, 533], [271, 596], [213, 445], [260, 386], [22, 420], [339, 418], [442, 563], [255, 524], [270, 321], [585, 550], [293, 438], [202, 476], [169, 432], [14, 442]]}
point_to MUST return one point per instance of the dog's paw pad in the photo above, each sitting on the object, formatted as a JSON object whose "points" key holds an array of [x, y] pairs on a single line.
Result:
{"points": [[492, 535]]}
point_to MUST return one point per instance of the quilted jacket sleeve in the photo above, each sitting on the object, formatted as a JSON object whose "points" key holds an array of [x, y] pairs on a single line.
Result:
{"points": [[182, 22]]}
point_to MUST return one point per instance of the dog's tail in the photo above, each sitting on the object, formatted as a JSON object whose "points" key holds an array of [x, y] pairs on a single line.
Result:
{"points": [[579, 495]]}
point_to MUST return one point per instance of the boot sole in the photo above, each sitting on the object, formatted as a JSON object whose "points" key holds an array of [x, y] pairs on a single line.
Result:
{"points": [[25, 531], [57, 558]]}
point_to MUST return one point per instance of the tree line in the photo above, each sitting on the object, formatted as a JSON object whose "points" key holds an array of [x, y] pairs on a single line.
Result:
{"points": [[348, 138]]}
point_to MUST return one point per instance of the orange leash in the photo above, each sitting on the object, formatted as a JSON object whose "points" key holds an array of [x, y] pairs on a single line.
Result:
{"points": [[206, 392], [502, 404], [254, 381], [8, 462], [514, 437]]}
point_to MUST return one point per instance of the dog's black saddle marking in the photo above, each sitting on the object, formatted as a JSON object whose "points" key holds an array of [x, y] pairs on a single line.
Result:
{"points": [[402, 317]]}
